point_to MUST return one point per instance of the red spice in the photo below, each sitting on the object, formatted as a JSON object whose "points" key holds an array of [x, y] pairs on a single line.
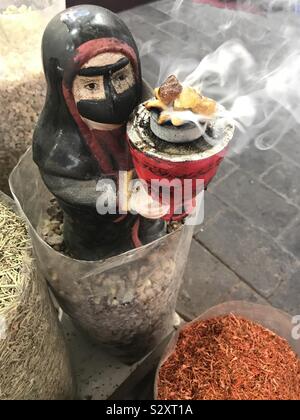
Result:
{"points": [[229, 358]]}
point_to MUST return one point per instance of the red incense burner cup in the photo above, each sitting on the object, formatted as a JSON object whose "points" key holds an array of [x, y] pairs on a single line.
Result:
{"points": [[157, 160]]}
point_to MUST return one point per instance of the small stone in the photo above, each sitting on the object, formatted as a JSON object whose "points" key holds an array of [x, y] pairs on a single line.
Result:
{"points": [[128, 297], [52, 211], [54, 239]]}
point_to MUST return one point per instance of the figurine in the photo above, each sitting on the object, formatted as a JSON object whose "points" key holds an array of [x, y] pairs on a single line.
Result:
{"points": [[94, 82]]}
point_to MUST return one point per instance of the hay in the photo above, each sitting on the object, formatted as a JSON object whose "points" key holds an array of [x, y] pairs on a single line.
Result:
{"points": [[14, 246], [34, 362]]}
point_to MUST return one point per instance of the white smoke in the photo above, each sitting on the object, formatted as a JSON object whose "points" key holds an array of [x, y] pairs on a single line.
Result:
{"points": [[254, 71]]}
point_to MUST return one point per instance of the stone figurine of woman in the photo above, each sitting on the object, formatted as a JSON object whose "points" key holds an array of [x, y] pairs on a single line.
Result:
{"points": [[94, 82]]}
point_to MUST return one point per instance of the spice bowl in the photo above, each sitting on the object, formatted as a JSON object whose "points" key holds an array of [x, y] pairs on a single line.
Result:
{"points": [[269, 317], [266, 319]]}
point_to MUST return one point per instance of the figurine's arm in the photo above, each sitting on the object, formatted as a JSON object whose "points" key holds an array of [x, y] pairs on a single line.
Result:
{"points": [[86, 193], [73, 191]]}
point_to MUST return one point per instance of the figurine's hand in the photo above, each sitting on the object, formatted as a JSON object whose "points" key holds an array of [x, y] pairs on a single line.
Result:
{"points": [[142, 203]]}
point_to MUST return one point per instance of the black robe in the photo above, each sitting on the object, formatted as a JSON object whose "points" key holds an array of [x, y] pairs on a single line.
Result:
{"points": [[67, 164]]}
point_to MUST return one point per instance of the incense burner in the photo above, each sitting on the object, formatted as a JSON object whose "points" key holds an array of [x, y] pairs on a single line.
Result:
{"points": [[170, 153]]}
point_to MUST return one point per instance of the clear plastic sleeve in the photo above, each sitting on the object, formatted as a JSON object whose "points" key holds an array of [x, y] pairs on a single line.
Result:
{"points": [[126, 303]]}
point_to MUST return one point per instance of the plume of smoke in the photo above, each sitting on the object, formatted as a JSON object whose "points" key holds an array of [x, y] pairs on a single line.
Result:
{"points": [[177, 5], [251, 67]]}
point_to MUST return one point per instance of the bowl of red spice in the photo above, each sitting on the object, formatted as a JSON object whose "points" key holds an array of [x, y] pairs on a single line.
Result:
{"points": [[234, 351]]}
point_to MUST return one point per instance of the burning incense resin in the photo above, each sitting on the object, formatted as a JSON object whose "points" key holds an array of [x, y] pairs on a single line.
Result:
{"points": [[173, 100], [181, 115], [230, 358], [169, 91]]}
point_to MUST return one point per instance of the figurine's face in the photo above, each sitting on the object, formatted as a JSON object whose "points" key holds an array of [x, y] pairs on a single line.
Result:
{"points": [[105, 90]]}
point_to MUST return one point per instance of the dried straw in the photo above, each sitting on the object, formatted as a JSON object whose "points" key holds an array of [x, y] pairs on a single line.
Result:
{"points": [[34, 362], [14, 246]]}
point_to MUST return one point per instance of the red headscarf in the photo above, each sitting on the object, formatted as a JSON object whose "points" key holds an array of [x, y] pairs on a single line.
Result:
{"points": [[103, 144]]}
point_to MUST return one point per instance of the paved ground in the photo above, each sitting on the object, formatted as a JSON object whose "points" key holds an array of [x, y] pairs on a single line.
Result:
{"points": [[249, 245]]}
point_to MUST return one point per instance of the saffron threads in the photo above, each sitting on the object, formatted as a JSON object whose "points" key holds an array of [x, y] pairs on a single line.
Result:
{"points": [[229, 358]]}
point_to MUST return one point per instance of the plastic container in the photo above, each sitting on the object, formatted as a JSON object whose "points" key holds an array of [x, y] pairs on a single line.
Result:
{"points": [[271, 318], [34, 359], [22, 85], [126, 303]]}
